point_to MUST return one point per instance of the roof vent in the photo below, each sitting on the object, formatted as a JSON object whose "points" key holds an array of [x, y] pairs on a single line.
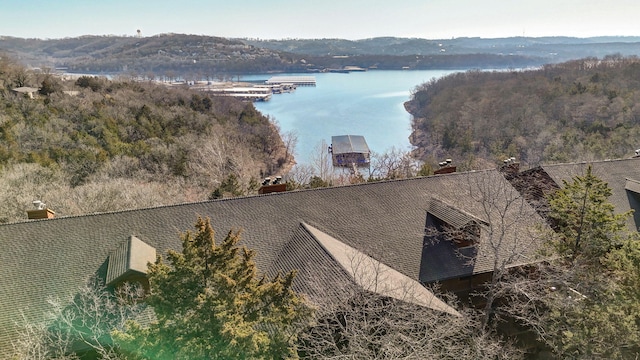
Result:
{"points": [[40, 211], [509, 161], [637, 153]]}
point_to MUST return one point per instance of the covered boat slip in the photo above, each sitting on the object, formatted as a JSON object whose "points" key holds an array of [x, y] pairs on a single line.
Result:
{"points": [[349, 150]]}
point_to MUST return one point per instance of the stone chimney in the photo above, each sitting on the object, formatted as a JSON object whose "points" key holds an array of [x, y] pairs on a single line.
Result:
{"points": [[40, 212]]}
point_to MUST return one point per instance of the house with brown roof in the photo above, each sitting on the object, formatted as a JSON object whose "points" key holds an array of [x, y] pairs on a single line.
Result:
{"points": [[622, 176], [401, 234]]}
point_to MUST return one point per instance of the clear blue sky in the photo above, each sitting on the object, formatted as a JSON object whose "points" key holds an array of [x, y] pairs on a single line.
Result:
{"points": [[347, 19]]}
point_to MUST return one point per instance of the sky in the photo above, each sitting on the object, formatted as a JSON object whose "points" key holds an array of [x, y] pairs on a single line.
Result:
{"points": [[313, 19]]}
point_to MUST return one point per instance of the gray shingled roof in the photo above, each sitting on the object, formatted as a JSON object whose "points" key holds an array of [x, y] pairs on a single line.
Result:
{"points": [[451, 215], [615, 173], [384, 220], [507, 222]]}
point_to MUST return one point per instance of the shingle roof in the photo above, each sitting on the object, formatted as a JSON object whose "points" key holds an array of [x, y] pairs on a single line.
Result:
{"points": [[451, 215], [613, 172], [507, 222], [384, 220]]}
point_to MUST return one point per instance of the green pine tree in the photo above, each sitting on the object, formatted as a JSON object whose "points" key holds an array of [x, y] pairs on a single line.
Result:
{"points": [[584, 219], [586, 300], [210, 303]]}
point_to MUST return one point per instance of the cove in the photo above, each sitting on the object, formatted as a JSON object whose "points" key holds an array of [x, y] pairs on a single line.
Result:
{"points": [[368, 103]]}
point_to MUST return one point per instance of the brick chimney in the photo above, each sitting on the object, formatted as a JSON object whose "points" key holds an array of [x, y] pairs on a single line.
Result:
{"points": [[510, 166], [269, 186], [445, 168], [40, 212]]}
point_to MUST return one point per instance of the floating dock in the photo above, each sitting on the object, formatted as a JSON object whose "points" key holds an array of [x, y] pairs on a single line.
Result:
{"points": [[292, 80], [244, 93], [350, 151]]}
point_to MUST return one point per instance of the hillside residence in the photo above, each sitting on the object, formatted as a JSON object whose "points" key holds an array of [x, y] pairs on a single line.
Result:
{"points": [[451, 229], [385, 228], [26, 91]]}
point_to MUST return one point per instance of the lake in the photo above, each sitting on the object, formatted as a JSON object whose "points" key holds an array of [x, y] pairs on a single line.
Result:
{"points": [[366, 103]]}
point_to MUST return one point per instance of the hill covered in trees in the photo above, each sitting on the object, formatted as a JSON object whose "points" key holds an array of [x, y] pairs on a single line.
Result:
{"points": [[167, 55], [93, 145], [574, 111], [547, 49], [207, 57]]}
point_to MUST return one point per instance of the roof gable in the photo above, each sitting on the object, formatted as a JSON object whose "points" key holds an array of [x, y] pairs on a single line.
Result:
{"points": [[384, 220], [373, 275], [452, 215]]}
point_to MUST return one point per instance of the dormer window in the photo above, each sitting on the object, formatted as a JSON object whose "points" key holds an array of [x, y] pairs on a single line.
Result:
{"points": [[446, 222], [128, 263]]}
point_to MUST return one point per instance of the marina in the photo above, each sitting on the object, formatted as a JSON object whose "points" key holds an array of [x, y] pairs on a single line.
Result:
{"points": [[249, 93], [256, 91]]}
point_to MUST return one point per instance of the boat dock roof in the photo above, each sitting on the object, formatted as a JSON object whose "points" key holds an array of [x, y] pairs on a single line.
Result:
{"points": [[344, 144]]}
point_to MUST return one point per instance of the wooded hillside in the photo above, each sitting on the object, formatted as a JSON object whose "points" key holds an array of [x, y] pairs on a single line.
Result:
{"points": [[196, 57], [111, 145], [580, 110], [168, 55]]}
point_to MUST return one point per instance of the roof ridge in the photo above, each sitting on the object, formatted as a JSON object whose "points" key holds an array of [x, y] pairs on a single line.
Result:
{"points": [[586, 162], [244, 197]]}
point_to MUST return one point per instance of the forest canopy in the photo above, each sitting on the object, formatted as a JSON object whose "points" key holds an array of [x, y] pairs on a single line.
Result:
{"points": [[575, 111], [90, 144]]}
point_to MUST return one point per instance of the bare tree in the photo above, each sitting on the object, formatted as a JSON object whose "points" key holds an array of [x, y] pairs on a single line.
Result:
{"points": [[321, 161], [511, 235], [82, 324], [300, 174], [290, 139], [495, 232], [384, 315], [393, 164]]}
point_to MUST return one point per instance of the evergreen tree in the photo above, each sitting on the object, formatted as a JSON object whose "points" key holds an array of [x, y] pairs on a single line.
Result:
{"points": [[583, 302], [584, 219], [210, 303]]}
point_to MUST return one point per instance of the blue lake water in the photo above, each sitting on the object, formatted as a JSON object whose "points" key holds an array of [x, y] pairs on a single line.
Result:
{"points": [[359, 103]]}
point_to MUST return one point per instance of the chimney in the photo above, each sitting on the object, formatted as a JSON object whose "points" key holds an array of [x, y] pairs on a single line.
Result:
{"points": [[510, 166], [445, 167], [269, 186], [40, 212]]}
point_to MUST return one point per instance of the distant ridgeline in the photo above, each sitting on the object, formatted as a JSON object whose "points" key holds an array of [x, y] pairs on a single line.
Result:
{"points": [[574, 111], [206, 57]]}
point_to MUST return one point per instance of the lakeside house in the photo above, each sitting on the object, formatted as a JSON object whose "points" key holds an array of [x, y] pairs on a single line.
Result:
{"points": [[449, 229]]}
